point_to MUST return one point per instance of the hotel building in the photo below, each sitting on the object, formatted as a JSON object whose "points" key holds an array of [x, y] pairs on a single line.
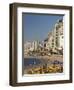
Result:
{"points": [[56, 37]]}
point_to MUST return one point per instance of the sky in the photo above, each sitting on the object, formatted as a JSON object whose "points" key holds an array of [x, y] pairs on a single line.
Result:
{"points": [[37, 26]]}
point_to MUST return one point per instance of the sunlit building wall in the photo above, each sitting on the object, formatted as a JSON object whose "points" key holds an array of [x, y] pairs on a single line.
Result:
{"points": [[56, 38], [35, 45]]}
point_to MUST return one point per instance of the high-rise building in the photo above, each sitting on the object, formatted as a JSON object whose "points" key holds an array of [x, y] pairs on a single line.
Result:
{"points": [[56, 37], [35, 45], [50, 41], [59, 34]]}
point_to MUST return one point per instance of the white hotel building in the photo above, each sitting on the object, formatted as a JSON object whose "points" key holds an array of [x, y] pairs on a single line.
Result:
{"points": [[56, 37]]}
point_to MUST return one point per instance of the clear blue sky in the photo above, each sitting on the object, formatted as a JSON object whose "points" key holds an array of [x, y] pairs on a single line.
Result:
{"points": [[36, 26]]}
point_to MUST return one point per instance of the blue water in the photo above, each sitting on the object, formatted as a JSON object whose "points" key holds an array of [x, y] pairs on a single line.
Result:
{"points": [[35, 61], [31, 61]]}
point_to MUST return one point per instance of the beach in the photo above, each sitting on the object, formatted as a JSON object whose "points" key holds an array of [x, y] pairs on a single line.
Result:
{"points": [[39, 62]]}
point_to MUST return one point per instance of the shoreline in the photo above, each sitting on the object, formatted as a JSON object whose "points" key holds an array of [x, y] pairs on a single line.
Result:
{"points": [[51, 57], [44, 59]]}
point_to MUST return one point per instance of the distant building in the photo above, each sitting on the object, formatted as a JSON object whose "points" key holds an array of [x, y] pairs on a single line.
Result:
{"points": [[35, 45], [27, 47], [50, 41], [30, 46], [46, 44]]}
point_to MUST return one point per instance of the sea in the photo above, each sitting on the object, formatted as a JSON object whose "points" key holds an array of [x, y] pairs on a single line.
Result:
{"points": [[30, 62]]}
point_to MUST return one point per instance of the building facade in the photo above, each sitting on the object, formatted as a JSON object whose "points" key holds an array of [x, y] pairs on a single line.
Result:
{"points": [[56, 37], [35, 45]]}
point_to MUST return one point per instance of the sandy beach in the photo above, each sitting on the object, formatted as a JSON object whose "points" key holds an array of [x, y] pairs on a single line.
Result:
{"points": [[44, 60]]}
